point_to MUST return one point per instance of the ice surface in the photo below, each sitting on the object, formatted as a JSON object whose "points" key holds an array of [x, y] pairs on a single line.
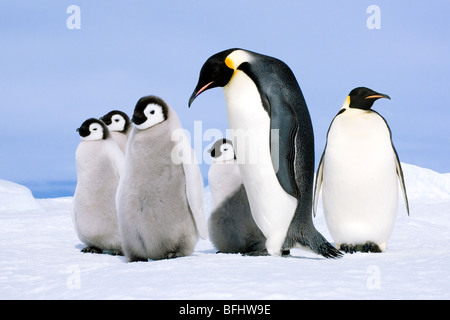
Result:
{"points": [[41, 258]]}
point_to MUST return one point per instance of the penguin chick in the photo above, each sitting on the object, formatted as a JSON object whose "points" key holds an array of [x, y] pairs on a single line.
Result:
{"points": [[160, 196], [99, 163], [231, 225]]}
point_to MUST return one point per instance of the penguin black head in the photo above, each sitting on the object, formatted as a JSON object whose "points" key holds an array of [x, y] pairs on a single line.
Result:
{"points": [[216, 72], [117, 120], [363, 98], [93, 129], [149, 111], [222, 150]]}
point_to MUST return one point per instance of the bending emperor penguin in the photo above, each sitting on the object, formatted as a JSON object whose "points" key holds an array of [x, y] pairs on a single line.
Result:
{"points": [[119, 126], [274, 143], [99, 163], [359, 173], [160, 196], [231, 225]]}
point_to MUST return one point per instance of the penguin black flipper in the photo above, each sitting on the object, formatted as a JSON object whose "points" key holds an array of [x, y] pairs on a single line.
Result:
{"points": [[283, 100], [401, 178]]}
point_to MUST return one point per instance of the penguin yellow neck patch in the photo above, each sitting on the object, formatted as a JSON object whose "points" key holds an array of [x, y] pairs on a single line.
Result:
{"points": [[346, 102]]}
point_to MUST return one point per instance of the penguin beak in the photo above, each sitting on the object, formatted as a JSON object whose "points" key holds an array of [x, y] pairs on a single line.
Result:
{"points": [[378, 96], [196, 92]]}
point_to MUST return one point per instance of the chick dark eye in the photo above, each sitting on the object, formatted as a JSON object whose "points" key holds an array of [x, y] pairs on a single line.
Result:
{"points": [[152, 112], [117, 120], [95, 129]]}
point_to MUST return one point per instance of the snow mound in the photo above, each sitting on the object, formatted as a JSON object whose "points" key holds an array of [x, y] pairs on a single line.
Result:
{"points": [[15, 197], [425, 184]]}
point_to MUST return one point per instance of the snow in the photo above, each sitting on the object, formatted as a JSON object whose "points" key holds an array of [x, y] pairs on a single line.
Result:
{"points": [[15, 197], [41, 258]]}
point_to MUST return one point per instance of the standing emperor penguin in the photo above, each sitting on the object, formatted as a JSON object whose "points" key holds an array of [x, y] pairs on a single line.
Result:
{"points": [[119, 126], [99, 163], [231, 225], [274, 143], [359, 173], [160, 195]]}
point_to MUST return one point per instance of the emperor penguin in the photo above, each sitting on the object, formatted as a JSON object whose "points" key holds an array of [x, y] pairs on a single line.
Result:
{"points": [[272, 133], [160, 195], [359, 172], [119, 126], [99, 163], [231, 226]]}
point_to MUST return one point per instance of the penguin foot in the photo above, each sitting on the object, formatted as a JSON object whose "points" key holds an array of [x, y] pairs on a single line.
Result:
{"points": [[313, 240], [91, 250], [320, 245], [348, 248], [116, 253], [370, 246], [256, 253], [136, 259], [328, 251], [172, 255]]}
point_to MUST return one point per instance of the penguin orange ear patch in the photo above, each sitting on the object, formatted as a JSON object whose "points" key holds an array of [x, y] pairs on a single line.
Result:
{"points": [[229, 63]]}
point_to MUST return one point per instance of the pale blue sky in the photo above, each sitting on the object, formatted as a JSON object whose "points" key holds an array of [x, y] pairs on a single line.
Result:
{"points": [[53, 78]]}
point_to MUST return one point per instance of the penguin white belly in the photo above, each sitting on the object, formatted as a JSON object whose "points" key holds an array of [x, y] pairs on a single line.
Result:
{"points": [[360, 188], [272, 208]]}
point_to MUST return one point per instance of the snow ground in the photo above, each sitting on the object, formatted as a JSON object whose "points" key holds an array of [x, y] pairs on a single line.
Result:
{"points": [[40, 258]]}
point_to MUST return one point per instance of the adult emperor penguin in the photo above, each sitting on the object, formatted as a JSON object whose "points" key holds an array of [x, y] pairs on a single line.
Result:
{"points": [[273, 137], [119, 126], [160, 195], [99, 163], [358, 174], [231, 225]]}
